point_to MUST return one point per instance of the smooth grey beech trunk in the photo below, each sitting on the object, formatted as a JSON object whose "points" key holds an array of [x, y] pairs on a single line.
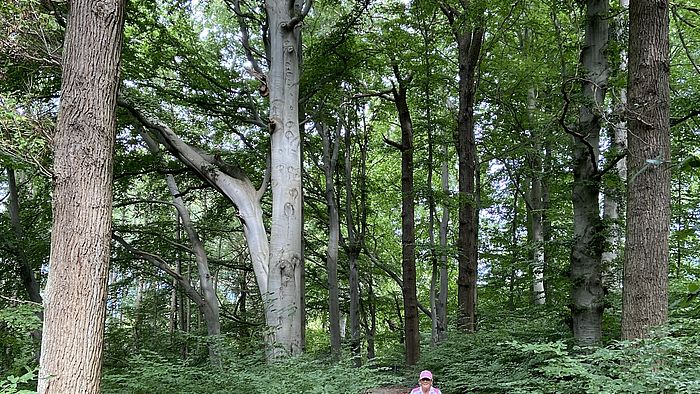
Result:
{"points": [[587, 250], [210, 304], [645, 290], [534, 205], [284, 309], [205, 298], [75, 294], [331, 144], [618, 137]]}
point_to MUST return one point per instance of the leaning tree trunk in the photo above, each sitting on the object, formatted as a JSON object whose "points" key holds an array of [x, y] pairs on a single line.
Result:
{"points": [[210, 308], [74, 315], [587, 250], [645, 282], [206, 299]]}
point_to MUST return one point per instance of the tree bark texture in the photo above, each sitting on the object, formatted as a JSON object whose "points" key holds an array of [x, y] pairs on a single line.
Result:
{"points": [[586, 252], [645, 278], [469, 48], [76, 292], [408, 231], [284, 319]]}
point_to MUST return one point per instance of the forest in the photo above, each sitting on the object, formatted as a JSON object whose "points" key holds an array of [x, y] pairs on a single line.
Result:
{"points": [[330, 196]]}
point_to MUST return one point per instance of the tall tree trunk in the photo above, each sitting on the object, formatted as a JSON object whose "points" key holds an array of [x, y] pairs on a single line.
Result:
{"points": [[284, 312], [369, 314], [26, 273], [469, 49], [31, 285], [613, 196], [330, 159], [354, 246], [645, 290], [408, 228], [514, 249], [441, 305], [586, 252], [71, 351], [469, 37], [426, 28], [534, 205]]}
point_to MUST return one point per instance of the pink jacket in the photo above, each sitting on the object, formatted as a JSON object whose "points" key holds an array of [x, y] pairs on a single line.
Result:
{"points": [[433, 390]]}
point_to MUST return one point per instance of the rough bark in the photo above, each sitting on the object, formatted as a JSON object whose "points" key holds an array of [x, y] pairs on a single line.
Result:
{"points": [[71, 354], [469, 37], [586, 252], [469, 43], [408, 231], [645, 282]]}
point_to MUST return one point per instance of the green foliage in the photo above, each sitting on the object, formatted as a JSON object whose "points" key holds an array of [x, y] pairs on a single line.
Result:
{"points": [[500, 361], [16, 324], [154, 374], [16, 384]]}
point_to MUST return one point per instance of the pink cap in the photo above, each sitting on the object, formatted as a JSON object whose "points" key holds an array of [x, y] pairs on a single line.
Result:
{"points": [[426, 375]]}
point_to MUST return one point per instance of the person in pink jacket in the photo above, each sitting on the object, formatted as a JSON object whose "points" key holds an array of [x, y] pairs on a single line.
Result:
{"points": [[425, 384]]}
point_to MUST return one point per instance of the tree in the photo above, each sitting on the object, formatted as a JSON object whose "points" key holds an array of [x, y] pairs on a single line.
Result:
{"points": [[645, 280], [331, 144], [587, 250], [469, 36], [72, 343], [286, 266], [408, 230]]}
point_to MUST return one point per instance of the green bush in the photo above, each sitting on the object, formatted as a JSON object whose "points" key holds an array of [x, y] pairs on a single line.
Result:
{"points": [[16, 325], [515, 361], [150, 373]]}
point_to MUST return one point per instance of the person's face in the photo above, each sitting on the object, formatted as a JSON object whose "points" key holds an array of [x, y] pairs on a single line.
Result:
{"points": [[425, 383]]}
